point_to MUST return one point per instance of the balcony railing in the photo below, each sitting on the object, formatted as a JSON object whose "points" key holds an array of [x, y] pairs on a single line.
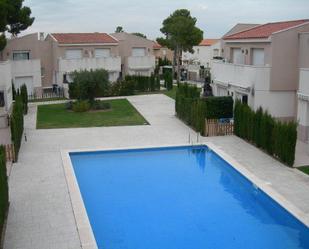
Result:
{"points": [[241, 75], [111, 64], [141, 62]]}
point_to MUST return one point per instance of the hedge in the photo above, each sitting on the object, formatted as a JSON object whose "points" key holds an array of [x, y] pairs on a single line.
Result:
{"points": [[258, 127], [4, 193], [17, 123], [24, 97], [193, 109], [144, 83]]}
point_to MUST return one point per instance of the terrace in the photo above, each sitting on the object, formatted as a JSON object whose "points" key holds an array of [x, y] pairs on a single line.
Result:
{"points": [[41, 210]]}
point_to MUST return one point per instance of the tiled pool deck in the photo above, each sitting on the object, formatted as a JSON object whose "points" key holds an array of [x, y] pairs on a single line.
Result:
{"points": [[41, 214]]}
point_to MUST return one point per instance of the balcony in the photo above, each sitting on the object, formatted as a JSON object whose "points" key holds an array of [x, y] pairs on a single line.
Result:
{"points": [[111, 64], [141, 62], [243, 76]]}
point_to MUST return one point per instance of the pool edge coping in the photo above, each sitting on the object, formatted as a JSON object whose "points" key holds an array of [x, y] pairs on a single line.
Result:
{"points": [[84, 229]]}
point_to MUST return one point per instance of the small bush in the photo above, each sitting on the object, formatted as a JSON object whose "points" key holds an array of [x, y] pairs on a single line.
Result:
{"points": [[100, 105], [81, 106], [69, 105]]}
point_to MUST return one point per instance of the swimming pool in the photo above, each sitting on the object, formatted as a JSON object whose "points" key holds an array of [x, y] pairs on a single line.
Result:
{"points": [[179, 198]]}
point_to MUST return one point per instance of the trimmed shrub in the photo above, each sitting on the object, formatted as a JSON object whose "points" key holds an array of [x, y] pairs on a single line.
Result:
{"points": [[122, 88], [24, 96], [87, 85], [143, 83], [275, 137], [81, 106], [17, 124], [193, 109], [219, 107], [4, 189], [100, 105], [168, 80]]}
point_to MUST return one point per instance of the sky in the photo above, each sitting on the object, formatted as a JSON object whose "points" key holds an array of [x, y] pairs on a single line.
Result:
{"points": [[214, 17]]}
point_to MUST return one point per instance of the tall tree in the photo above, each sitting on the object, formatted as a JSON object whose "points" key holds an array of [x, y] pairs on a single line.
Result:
{"points": [[119, 29], [140, 34], [14, 18], [181, 34]]}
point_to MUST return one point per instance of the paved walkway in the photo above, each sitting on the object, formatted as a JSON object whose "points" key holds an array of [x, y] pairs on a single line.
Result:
{"points": [[40, 213]]}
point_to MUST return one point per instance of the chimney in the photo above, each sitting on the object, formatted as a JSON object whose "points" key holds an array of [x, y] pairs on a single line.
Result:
{"points": [[41, 36]]}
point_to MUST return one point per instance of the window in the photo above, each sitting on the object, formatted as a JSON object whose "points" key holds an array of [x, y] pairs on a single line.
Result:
{"points": [[258, 56], [216, 52], [102, 52], [237, 56], [138, 51], [244, 99], [73, 54], [2, 99], [22, 55]]}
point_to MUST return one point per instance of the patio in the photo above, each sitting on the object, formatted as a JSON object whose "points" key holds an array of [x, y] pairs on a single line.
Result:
{"points": [[41, 215]]}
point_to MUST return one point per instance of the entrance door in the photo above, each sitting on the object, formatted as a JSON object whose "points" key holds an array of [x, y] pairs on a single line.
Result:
{"points": [[237, 55]]}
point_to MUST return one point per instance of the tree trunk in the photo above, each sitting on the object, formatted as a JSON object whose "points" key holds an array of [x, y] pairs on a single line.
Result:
{"points": [[179, 52], [174, 63]]}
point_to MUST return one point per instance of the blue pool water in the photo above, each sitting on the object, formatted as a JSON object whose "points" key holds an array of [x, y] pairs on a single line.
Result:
{"points": [[179, 198]]}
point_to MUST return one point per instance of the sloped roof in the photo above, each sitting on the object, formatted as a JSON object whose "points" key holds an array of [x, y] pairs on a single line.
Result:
{"points": [[265, 30], [240, 27], [208, 42], [156, 45], [83, 38]]}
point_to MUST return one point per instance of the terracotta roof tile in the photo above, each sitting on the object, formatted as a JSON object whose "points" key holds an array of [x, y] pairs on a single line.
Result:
{"points": [[83, 38], [265, 30], [156, 45], [208, 42]]}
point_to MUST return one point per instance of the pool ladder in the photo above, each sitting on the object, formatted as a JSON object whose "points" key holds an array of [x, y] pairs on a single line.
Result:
{"points": [[191, 140]]}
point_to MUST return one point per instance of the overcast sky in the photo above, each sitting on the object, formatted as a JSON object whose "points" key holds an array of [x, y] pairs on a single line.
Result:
{"points": [[214, 17]]}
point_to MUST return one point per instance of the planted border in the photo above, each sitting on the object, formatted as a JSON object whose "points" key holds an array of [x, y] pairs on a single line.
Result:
{"points": [[273, 136], [193, 109]]}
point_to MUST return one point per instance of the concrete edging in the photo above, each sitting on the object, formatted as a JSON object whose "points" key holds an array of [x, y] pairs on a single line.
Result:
{"points": [[84, 229]]}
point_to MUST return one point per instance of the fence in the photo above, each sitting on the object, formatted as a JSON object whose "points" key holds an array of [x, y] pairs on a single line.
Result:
{"points": [[59, 93], [213, 127], [9, 152]]}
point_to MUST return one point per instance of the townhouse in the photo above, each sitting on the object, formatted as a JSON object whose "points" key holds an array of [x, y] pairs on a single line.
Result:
{"points": [[162, 52], [267, 65], [83, 51], [136, 54], [201, 57]]}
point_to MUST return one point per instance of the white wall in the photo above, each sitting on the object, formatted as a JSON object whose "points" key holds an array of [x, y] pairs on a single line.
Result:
{"points": [[277, 103], [111, 64], [141, 65], [28, 68], [202, 54], [253, 81], [303, 98], [6, 85]]}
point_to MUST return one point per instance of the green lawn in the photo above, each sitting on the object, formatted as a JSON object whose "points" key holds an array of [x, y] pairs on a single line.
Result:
{"points": [[171, 93], [56, 116], [304, 169]]}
